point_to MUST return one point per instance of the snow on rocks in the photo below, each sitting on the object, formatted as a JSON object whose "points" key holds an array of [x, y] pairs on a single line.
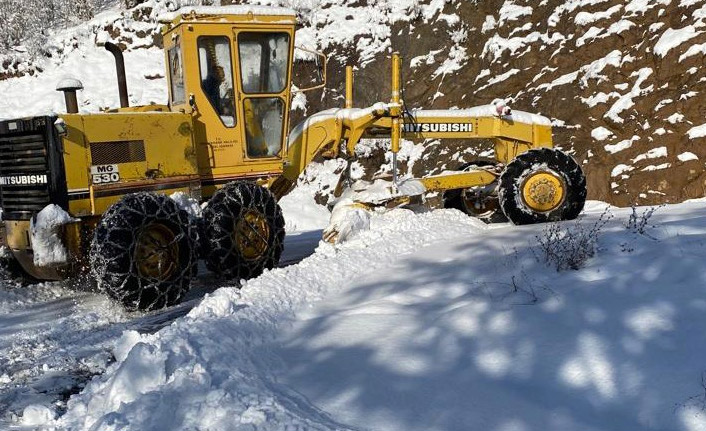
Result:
{"points": [[651, 154], [511, 11], [656, 167], [620, 146], [586, 18], [601, 133], [697, 132], [672, 38], [686, 156], [626, 101], [621, 169], [46, 242]]}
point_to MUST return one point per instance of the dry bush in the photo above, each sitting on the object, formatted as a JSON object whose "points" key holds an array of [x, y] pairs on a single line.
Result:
{"points": [[640, 223], [568, 246]]}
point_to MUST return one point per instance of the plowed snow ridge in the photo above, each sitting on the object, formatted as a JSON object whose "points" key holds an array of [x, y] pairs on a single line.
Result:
{"points": [[207, 370]]}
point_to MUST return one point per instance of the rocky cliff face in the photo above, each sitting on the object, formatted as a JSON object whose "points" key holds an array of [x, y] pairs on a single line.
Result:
{"points": [[621, 79]]}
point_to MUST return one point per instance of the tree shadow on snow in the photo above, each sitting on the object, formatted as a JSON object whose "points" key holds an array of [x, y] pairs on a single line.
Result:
{"points": [[481, 337]]}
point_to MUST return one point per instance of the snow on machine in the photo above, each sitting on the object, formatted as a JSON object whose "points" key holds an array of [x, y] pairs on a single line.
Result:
{"points": [[91, 190]]}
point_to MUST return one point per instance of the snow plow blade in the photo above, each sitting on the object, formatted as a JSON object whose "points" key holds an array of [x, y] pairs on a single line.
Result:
{"points": [[352, 211]]}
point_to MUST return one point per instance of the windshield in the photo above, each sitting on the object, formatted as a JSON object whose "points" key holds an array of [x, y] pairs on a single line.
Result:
{"points": [[263, 61]]}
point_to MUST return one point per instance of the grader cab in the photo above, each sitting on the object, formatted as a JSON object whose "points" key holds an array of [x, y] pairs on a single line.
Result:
{"points": [[91, 190]]}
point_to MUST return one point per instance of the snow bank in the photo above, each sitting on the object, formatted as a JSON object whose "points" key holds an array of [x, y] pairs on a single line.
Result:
{"points": [[45, 233], [432, 321], [212, 370], [300, 209]]}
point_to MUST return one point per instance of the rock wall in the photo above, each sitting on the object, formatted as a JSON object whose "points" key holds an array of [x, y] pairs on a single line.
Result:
{"points": [[622, 80]]}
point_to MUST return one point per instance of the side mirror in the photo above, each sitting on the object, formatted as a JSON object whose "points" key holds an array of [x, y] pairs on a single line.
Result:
{"points": [[312, 72]]}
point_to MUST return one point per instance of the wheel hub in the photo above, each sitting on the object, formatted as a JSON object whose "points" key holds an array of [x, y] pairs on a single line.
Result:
{"points": [[251, 234], [478, 202], [543, 191], [156, 252]]}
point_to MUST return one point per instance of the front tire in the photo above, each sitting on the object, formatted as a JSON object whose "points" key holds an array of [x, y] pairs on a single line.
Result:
{"points": [[144, 251], [244, 231], [542, 185]]}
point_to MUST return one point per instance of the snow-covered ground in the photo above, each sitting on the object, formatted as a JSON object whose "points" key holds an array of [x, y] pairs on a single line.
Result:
{"points": [[426, 321], [55, 336], [429, 321]]}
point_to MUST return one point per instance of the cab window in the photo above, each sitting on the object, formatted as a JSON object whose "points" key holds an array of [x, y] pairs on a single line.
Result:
{"points": [[176, 75], [263, 61], [263, 126], [217, 76]]}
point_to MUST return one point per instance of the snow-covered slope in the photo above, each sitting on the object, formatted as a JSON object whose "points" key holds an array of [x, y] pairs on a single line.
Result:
{"points": [[433, 321]]}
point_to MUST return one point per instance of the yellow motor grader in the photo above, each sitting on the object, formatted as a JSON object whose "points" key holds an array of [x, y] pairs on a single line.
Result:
{"points": [[92, 190]]}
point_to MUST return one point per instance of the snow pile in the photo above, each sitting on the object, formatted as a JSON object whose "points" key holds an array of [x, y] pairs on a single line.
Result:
{"points": [[37, 415], [301, 212], [433, 321], [46, 236], [187, 203], [211, 369], [347, 219]]}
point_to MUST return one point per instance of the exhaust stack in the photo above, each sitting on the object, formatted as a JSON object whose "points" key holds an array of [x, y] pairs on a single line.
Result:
{"points": [[120, 69], [69, 86]]}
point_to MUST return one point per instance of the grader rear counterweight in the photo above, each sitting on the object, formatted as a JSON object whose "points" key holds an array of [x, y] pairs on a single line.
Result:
{"points": [[95, 186]]}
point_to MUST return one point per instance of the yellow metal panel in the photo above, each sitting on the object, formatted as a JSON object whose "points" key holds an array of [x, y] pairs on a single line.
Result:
{"points": [[167, 139], [17, 234], [542, 136], [142, 108], [76, 161], [168, 145], [455, 127], [461, 180], [506, 150]]}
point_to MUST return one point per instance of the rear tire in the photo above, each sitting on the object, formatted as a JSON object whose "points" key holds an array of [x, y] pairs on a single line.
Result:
{"points": [[144, 251], [542, 185], [243, 231]]}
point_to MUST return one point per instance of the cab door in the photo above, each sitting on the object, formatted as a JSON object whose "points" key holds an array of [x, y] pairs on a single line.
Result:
{"points": [[264, 65]]}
